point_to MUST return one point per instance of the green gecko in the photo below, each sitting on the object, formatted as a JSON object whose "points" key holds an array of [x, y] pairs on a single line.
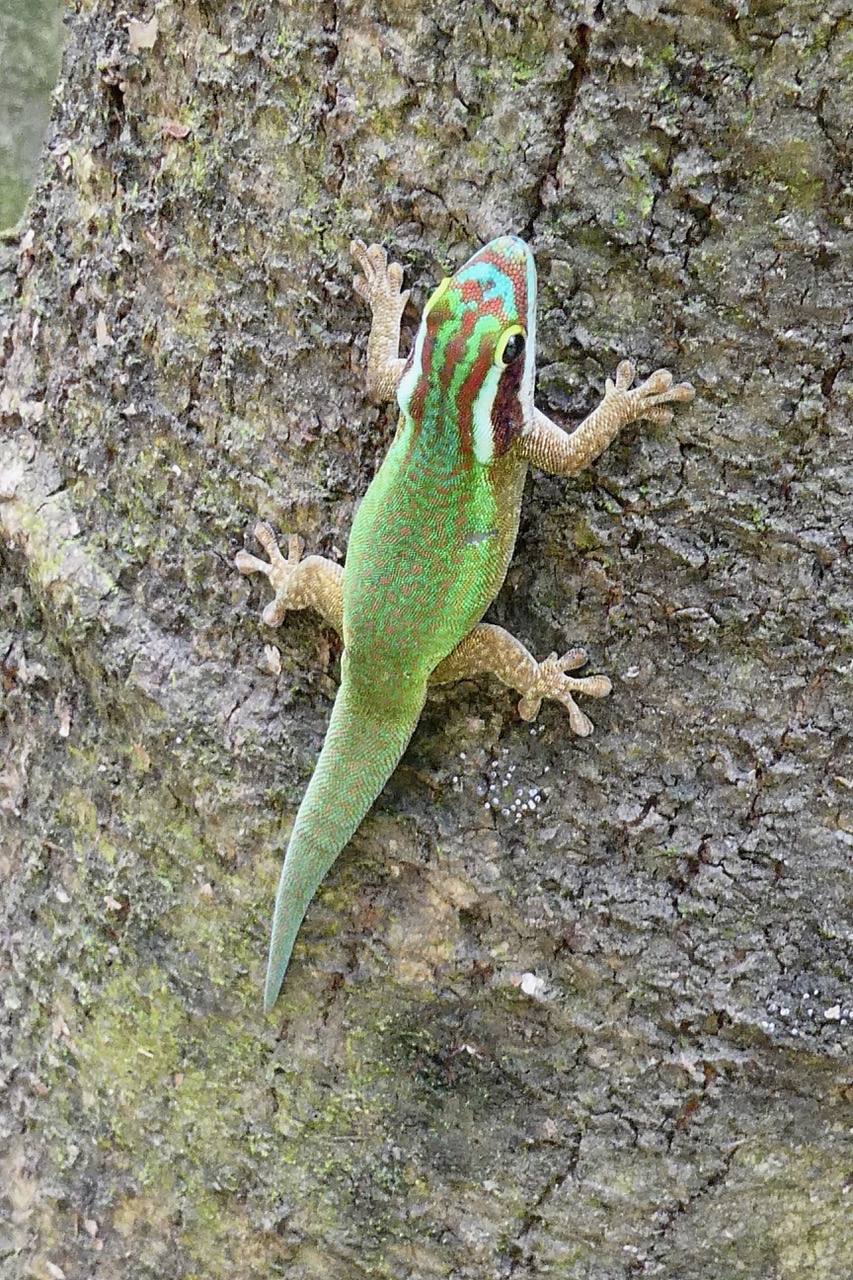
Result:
{"points": [[432, 540]]}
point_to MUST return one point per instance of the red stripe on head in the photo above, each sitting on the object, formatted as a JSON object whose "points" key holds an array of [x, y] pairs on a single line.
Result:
{"points": [[468, 393], [456, 349], [472, 291]]}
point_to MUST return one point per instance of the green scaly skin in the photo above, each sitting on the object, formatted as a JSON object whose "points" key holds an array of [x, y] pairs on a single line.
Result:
{"points": [[432, 540]]}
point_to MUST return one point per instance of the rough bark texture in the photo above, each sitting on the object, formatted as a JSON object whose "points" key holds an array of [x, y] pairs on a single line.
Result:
{"points": [[668, 1091]]}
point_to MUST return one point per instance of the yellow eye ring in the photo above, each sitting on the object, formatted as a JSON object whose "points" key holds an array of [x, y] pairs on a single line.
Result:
{"points": [[439, 292], [513, 338]]}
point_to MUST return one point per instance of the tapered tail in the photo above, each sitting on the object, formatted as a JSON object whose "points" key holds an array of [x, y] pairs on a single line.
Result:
{"points": [[360, 753]]}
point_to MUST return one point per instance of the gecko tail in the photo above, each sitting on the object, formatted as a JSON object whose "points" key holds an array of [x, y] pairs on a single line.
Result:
{"points": [[358, 757]]}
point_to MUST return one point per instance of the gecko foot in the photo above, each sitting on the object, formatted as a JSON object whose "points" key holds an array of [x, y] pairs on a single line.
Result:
{"points": [[380, 283], [552, 682], [278, 569], [650, 398]]}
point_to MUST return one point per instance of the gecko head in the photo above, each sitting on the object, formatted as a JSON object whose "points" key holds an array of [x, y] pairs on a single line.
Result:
{"points": [[472, 367]]}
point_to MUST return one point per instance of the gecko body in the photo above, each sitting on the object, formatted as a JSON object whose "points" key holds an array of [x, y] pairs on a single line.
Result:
{"points": [[432, 540]]}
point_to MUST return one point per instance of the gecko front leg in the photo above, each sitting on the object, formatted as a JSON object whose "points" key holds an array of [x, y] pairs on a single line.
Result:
{"points": [[379, 285], [549, 447], [313, 583], [489, 649]]}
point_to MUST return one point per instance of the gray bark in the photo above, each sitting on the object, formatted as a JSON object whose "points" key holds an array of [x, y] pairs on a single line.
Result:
{"points": [[604, 1037]]}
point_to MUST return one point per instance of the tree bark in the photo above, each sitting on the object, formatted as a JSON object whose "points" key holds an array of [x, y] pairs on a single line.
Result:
{"points": [[567, 1008]]}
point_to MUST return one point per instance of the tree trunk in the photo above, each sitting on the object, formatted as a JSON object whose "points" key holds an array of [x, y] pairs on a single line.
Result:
{"points": [[567, 1008]]}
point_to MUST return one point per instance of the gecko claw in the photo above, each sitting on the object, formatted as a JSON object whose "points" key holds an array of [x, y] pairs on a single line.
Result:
{"points": [[552, 682], [380, 281], [649, 399], [625, 374], [278, 569]]}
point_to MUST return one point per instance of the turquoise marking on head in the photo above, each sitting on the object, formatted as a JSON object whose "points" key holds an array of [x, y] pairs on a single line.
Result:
{"points": [[494, 282]]}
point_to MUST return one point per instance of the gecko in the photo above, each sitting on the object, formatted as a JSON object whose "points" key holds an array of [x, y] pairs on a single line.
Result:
{"points": [[432, 539]]}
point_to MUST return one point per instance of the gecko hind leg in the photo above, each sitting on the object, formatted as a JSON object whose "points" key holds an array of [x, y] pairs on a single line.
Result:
{"points": [[491, 649], [312, 583]]}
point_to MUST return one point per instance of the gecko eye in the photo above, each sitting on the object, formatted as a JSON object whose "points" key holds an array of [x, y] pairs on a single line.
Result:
{"points": [[510, 347]]}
